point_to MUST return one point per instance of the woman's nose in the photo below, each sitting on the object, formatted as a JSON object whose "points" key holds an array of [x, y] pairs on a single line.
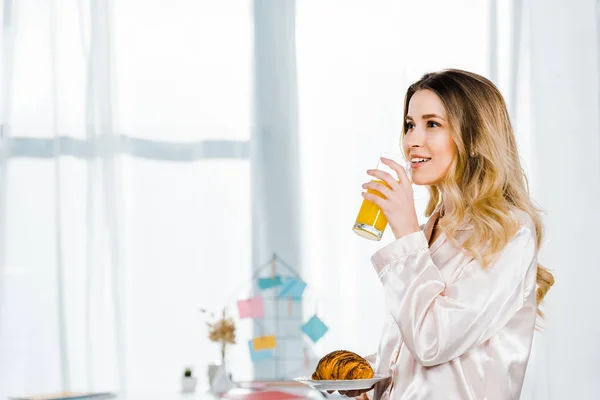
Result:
{"points": [[414, 138]]}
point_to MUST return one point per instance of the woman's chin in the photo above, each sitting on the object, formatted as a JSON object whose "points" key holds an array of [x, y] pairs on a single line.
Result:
{"points": [[420, 181], [423, 180]]}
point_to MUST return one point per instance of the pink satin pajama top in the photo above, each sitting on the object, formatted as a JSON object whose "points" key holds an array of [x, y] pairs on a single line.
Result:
{"points": [[455, 330]]}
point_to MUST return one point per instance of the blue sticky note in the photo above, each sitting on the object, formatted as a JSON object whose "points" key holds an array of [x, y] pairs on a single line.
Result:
{"points": [[260, 355], [267, 283], [292, 287], [314, 328]]}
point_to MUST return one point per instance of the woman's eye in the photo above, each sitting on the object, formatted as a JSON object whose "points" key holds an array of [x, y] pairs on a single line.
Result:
{"points": [[432, 124], [409, 126]]}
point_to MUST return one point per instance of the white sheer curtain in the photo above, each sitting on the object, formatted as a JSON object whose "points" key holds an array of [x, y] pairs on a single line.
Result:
{"points": [[355, 61], [124, 186], [564, 70]]}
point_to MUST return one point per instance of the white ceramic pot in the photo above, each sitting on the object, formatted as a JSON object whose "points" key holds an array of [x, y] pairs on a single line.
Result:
{"points": [[221, 382], [188, 384], [212, 372]]}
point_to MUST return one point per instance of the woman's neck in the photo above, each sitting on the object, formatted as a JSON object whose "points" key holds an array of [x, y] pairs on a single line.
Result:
{"points": [[446, 207]]}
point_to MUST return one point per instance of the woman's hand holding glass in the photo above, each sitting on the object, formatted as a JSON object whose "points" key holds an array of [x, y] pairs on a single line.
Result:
{"points": [[396, 200]]}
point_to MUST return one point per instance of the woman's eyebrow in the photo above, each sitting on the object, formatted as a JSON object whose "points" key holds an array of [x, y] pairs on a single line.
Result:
{"points": [[425, 116]]}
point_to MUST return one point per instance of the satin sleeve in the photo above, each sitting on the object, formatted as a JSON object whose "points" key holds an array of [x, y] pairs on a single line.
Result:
{"points": [[440, 322]]}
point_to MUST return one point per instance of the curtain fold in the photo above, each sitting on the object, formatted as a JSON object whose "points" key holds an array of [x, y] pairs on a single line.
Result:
{"points": [[5, 94], [109, 242], [274, 156], [566, 181]]}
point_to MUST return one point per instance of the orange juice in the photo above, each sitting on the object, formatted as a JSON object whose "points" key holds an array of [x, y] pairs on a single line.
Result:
{"points": [[371, 222]]}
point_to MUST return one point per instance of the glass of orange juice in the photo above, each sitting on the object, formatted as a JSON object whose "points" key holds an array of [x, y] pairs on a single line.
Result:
{"points": [[370, 221]]}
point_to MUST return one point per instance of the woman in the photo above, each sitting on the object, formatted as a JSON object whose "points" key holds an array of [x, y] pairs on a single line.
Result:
{"points": [[463, 290]]}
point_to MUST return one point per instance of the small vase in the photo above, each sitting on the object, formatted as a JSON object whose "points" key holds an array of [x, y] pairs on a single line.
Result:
{"points": [[188, 384], [221, 382], [212, 372]]}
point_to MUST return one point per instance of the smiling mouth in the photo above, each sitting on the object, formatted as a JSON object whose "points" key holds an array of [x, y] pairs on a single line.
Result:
{"points": [[421, 161]]}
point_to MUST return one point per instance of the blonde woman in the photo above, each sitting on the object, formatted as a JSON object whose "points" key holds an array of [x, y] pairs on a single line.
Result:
{"points": [[463, 290]]}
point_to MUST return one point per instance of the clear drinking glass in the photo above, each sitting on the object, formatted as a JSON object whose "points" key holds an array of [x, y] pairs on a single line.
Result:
{"points": [[370, 221]]}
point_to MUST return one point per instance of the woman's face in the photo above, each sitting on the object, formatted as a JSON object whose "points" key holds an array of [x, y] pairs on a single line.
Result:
{"points": [[428, 136]]}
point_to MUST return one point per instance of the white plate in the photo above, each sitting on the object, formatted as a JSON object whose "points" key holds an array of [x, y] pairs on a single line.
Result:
{"points": [[350, 384]]}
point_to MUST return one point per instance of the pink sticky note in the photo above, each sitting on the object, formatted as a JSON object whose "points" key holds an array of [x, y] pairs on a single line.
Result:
{"points": [[251, 308]]}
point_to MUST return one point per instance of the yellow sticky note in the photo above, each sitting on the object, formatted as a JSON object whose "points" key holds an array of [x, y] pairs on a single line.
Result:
{"points": [[264, 342]]}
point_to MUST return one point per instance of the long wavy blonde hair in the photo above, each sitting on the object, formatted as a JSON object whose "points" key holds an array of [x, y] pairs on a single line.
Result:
{"points": [[485, 186]]}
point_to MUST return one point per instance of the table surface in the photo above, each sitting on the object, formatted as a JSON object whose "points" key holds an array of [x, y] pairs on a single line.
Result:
{"points": [[313, 395], [203, 394]]}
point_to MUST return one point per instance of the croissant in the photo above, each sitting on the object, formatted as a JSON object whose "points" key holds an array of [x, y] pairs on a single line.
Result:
{"points": [[342, 365]]}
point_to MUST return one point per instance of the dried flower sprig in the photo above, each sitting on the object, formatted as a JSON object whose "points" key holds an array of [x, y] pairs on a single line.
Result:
{"points": [[221, 331]]}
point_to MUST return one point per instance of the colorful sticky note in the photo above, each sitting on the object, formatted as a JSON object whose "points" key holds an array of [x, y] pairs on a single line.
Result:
{"points": [[267, 283], [260, 355], [292, 287], [264, 342], [251, 308], [314, 328]]}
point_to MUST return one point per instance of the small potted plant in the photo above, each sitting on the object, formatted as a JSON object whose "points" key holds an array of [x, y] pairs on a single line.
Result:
{"points": [[188, 382]]}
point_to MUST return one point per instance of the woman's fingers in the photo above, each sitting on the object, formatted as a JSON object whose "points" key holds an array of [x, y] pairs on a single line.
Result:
{"points": [[384, 176], [352, 393], [402, 175], [374, 198], [378, 187]]}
